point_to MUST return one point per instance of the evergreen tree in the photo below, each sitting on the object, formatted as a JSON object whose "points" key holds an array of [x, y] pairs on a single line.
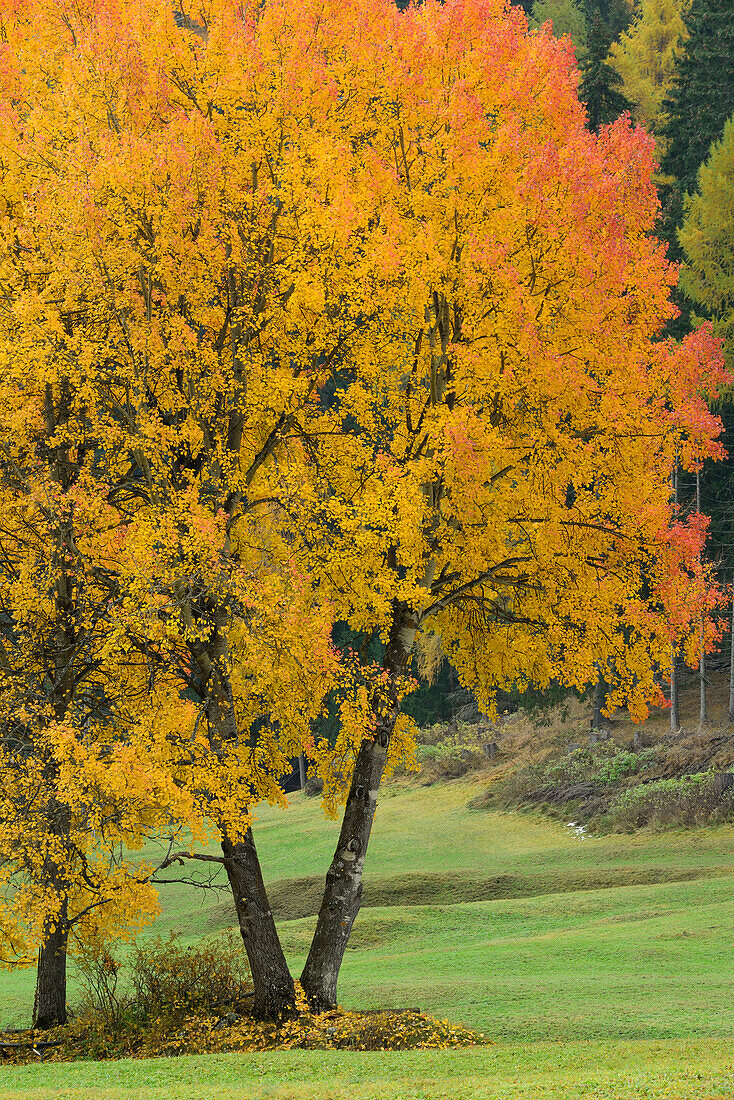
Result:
{"points": [[601, 84], [700, 102]]}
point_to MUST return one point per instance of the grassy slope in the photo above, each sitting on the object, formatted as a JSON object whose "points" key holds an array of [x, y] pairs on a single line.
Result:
{"points": [[427, 846], [642, 973]]}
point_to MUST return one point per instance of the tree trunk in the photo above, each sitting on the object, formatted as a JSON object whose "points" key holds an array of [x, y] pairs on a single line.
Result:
{"points": [[599, 720], [275, 995], [674, 712], [49, 1009], [343, 892], [731, 664]]}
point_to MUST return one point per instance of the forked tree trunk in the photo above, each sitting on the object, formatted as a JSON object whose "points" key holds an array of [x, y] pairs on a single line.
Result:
{"points": [[49, 1008], [275, 995], [343, 893]]}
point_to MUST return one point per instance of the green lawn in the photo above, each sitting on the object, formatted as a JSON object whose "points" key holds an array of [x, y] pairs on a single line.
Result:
{"points": [[521, 1071], [598, 968]]}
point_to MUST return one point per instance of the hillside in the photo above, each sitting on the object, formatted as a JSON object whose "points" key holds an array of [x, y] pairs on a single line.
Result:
{"points": [[622, 776]]}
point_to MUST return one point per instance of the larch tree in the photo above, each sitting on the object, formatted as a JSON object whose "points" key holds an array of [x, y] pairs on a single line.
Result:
{"points": [[565, 16], [700, 100], [645, 58], [707, 240], [369, 324]]}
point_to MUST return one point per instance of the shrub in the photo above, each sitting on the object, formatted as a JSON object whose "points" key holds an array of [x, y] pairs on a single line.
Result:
{"points": [[602, 765], [100, 997], [171, 981], [166, 983], [688, 800], [448, 752], [449, 760]]}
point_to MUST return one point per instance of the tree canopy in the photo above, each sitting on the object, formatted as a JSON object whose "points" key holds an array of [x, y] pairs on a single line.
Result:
{"points": [[565, 16]]}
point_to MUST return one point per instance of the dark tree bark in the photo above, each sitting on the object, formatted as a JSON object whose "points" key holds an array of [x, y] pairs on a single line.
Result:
{"points": [[599, 720], [343, 892], [49, 1009], [275, 995], [49, 1006]]}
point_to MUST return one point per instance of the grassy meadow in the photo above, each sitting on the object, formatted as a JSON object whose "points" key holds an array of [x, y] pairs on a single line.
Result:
{"points": [[599, 968]]}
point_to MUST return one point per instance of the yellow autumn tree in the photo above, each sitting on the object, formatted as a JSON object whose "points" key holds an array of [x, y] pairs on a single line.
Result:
{"points": [[157, 278], [495, 460], [369, 324], [72, 792]]}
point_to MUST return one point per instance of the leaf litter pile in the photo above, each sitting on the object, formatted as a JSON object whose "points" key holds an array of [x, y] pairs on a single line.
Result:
{"points": [[388, 1029]]}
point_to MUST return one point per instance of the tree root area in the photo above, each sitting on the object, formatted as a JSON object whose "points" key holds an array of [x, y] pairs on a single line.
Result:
{"points": [[338, 1029]]}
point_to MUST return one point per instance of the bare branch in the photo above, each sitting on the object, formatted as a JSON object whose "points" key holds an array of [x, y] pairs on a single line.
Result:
{"points": [[179, 857]]}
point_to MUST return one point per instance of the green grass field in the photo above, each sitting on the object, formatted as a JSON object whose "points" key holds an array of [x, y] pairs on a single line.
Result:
{"points": [[522, 1071], [599, 968]]}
